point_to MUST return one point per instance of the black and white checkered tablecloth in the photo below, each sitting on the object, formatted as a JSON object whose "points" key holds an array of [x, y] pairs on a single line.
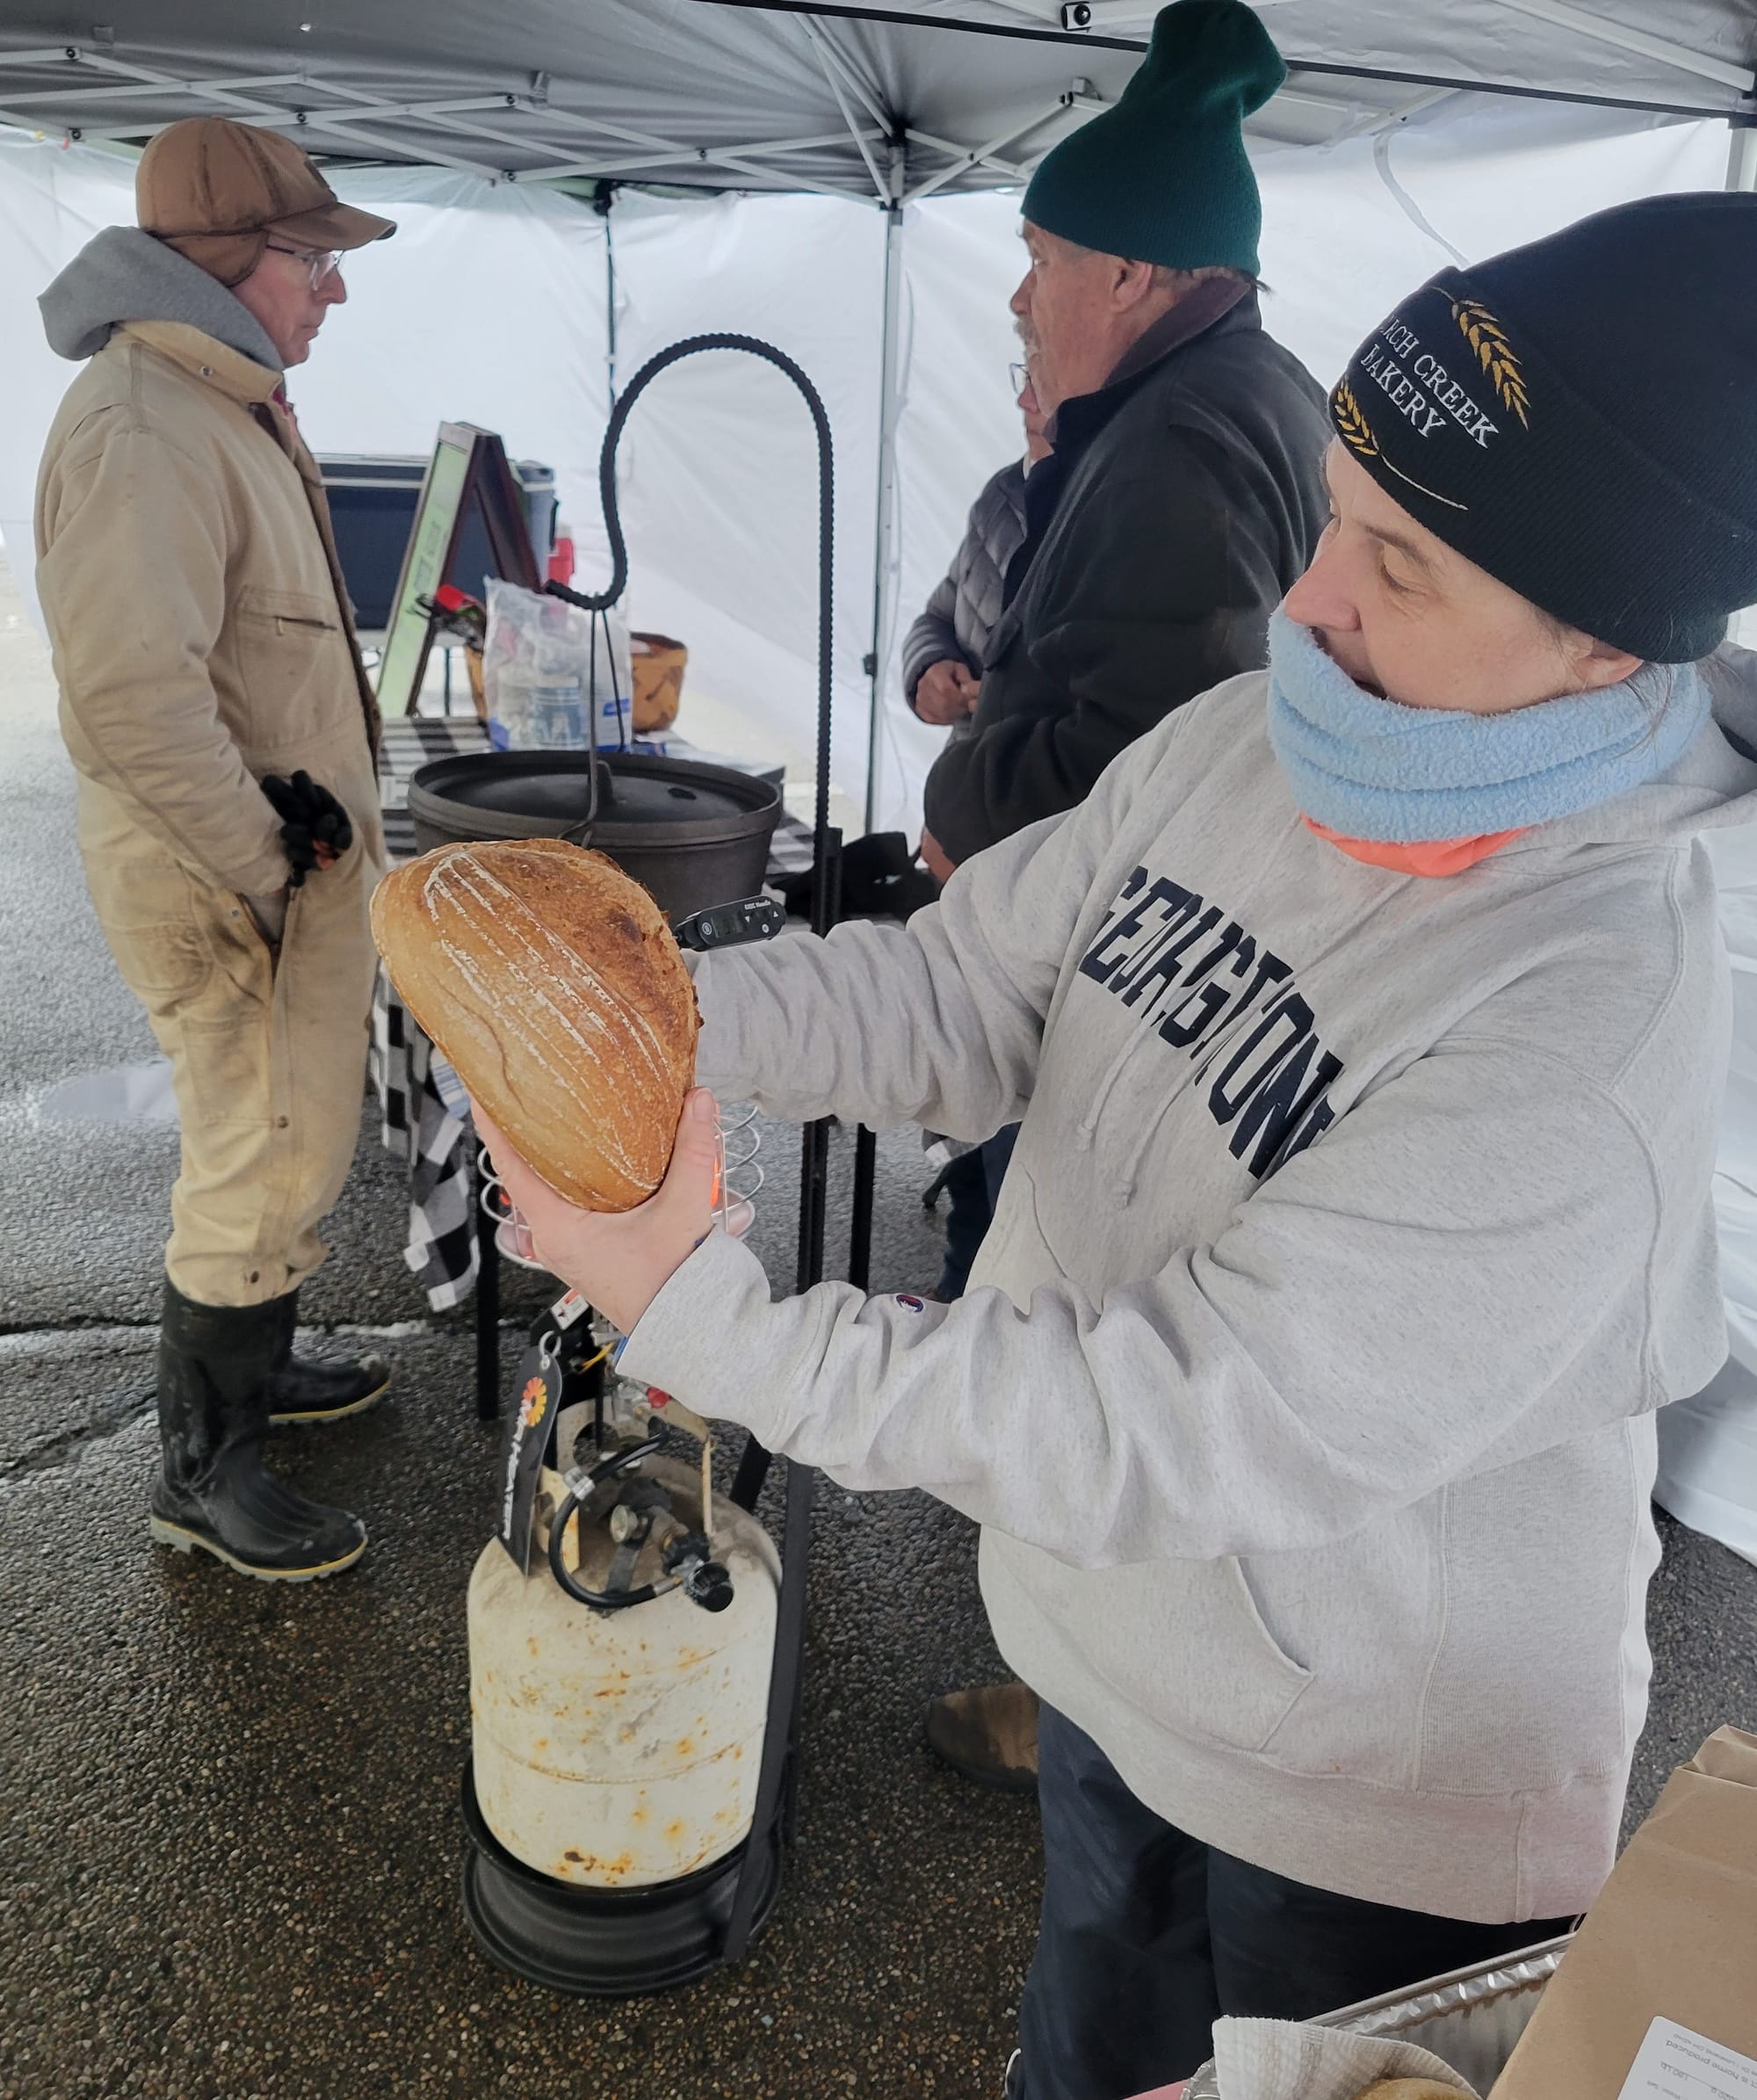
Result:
{"points": [[414, 1120]]}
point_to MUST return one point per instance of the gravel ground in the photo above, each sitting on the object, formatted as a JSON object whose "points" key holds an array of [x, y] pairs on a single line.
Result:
{"points": [[231, 1809], [232, 1840]]}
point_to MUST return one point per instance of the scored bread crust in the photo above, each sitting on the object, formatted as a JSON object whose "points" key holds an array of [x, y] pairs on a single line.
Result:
{"points": [[552, 984], [1408, 2089]]}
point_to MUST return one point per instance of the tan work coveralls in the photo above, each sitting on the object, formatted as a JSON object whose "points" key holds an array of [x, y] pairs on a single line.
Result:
{"points": [[202, 639]]}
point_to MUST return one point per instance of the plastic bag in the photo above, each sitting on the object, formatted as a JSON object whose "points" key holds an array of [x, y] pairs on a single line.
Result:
{"points": [[556, 678]]}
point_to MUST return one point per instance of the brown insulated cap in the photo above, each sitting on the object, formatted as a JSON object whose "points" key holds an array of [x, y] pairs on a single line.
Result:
{"points": [[212, 188]]}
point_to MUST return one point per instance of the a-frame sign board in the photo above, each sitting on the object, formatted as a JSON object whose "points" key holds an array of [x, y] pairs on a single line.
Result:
{"points": [[467, 473]]}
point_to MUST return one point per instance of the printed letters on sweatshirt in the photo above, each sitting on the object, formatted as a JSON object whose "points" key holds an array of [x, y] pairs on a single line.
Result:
{"points": [[1210, 989]]}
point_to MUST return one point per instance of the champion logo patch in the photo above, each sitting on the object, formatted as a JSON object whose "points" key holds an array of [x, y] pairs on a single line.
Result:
{"points": [[911, 1304]]}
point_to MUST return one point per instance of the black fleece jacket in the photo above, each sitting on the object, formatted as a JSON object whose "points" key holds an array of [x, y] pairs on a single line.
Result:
{"points": [[1181, 501]]}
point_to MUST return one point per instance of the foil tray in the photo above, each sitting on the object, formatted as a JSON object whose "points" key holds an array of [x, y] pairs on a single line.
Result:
{"points": [[1469, 2019]]}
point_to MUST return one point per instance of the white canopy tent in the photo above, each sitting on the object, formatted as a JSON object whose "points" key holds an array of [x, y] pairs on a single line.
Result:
{"points": [[831, 178], [788, 94], [842, 181]]}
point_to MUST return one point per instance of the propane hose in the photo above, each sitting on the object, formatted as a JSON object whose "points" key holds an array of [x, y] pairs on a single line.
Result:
{"points": [[706, 1582]]}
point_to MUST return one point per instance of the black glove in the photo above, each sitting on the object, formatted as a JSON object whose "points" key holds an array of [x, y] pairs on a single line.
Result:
{"points": [[310, 817]]}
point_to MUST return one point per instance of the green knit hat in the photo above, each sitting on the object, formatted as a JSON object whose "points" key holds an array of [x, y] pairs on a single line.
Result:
{"points": [[1162, 177]]}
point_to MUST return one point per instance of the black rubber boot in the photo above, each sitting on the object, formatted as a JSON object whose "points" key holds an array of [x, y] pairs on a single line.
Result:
{"points": [[213, 1490], [308, 1390]]}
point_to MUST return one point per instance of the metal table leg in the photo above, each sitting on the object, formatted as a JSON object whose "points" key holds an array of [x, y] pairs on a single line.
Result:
{"points": [[487, 1318], [860, 1228]]}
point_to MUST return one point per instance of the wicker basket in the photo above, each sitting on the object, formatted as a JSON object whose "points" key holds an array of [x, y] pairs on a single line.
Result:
{"points": [[658, 681]]}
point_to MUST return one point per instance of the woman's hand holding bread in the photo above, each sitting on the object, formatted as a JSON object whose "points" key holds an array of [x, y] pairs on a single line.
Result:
{"points": [[620, 1263], [551, 983]]}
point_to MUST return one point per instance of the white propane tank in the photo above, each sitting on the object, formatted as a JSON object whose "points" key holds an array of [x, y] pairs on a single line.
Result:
{"points": [[618, 1749]]}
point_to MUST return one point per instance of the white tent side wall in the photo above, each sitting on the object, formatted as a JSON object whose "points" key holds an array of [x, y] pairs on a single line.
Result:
{"points": [[719, 472], [489, 306]]}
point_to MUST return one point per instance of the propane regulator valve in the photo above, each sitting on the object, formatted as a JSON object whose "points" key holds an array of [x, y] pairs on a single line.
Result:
{"points": [[642, 1509]]}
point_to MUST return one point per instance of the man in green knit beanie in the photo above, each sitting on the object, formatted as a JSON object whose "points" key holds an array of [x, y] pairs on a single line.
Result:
{"points": [[1181, 500], [1140, 320], [1164, 178]]}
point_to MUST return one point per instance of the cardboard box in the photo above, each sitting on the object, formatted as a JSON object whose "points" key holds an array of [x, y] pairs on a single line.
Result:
{"points": [[1657, 1997]]}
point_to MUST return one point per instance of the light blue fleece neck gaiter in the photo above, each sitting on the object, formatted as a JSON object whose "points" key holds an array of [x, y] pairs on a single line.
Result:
{"points": [[1372, 769]]}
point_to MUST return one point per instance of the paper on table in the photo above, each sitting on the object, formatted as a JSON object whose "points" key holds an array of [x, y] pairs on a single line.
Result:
{"points": [[1675, 2063]]}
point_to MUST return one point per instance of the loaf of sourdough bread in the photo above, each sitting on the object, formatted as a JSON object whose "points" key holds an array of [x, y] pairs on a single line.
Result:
{"points": [[551, 984]]}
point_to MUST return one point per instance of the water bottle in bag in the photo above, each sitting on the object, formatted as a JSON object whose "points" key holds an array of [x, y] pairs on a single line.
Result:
{"points": [[557, 678]]}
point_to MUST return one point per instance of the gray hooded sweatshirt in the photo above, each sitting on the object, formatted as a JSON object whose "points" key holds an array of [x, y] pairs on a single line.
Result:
{"points": [[123, 274], [1305, 1388]]}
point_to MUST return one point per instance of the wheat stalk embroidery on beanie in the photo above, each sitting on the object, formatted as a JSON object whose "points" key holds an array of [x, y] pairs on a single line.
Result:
{"points": [[1510, 408]]}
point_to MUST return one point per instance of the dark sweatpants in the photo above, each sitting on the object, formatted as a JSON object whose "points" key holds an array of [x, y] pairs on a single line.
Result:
{"points": [[1148, 1936]]}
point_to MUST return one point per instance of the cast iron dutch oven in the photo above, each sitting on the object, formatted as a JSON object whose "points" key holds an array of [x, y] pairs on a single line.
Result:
{"points": [[694, 834]]}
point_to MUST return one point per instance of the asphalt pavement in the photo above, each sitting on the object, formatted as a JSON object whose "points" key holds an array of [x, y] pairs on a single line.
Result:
{"points": [[230, 1810]]}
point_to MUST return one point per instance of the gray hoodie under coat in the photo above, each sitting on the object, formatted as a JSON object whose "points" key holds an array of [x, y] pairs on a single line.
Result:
{"points": [[122, 274]]}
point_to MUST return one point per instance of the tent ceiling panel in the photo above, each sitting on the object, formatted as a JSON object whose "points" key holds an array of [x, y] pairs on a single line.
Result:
{"points": [[1702, 53], [727, 95], [671, 91]]}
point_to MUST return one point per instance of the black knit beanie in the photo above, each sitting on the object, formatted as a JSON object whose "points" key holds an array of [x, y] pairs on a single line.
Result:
{"points": [[1579, 417]]}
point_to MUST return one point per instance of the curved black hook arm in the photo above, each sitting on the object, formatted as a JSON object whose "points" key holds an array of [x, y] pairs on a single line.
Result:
{"points": [[601, 600], [776, 1777]]}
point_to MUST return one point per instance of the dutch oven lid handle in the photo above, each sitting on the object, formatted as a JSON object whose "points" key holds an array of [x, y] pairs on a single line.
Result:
{"points": [[581, 834]]}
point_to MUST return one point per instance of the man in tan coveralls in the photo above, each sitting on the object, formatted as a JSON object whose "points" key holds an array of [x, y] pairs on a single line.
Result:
{"points": [[204, 645]]}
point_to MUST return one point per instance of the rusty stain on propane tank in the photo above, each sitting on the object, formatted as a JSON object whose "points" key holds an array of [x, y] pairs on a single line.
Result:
{"points": [[607, 1869]]}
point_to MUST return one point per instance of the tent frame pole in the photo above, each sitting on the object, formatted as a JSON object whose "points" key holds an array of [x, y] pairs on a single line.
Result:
{"points": [[986, 155], [1741, 159], [885, 534], [610, 301]]}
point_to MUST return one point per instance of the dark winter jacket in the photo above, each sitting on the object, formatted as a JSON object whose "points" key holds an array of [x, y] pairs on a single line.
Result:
{"points": [[1181, 501], [967, 601]]}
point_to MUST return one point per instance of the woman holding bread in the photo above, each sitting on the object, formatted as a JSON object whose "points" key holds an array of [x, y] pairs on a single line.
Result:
{"points": [[1366, 1027]]}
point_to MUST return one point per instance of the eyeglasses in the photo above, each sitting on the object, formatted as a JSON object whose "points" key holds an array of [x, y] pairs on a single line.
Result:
{"points": [[1020, 376], [323, 262]]}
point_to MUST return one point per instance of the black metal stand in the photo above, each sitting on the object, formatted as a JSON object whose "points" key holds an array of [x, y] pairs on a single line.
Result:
{"points": [[495, 1897], [488, 1317], [608, 1943], [860, 1225]]}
